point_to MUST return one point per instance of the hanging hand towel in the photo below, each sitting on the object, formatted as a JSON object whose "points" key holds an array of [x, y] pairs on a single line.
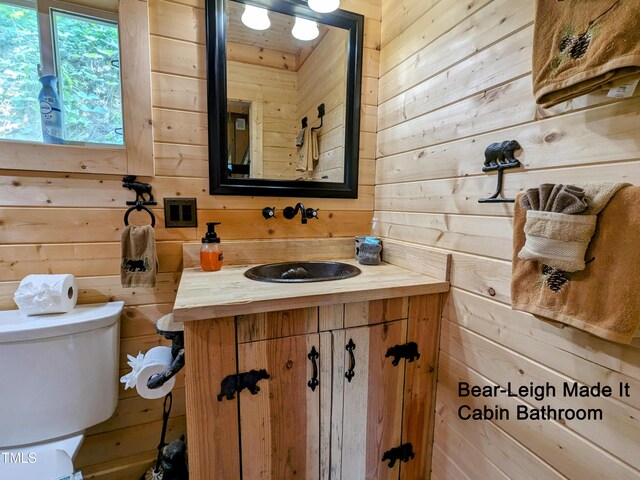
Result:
{"points": [[561, 219], [300, 137], [139, 263], [601, 299], [584, 45], [308, 153]]}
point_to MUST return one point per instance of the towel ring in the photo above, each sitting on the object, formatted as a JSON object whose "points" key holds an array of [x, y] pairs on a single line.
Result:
{"points": [[139, 207]]}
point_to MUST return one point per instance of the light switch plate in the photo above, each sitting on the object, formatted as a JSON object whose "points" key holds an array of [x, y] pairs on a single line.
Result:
{"points": [[180, 213]]}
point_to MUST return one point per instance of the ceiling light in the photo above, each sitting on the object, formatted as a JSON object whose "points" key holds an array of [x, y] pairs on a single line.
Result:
{"points": [[256, 17], [324, 6], [305, 29]]}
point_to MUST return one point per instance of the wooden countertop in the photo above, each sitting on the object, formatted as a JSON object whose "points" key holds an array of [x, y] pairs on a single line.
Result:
{"points": [[205, 295]]}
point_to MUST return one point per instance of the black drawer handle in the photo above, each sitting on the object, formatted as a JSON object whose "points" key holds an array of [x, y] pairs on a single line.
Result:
{"points": [[313, 356], [352, 360]]}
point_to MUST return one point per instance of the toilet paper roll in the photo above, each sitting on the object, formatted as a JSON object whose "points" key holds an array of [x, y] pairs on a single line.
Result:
{"points": [[155, 361], [42, 294]]}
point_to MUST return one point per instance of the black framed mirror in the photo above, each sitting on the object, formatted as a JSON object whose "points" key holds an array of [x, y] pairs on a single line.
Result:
{"points": [[284, 86]]}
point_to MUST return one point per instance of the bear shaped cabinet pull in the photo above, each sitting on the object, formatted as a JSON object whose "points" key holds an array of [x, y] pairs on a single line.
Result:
{"points": [[238, 382], [500, 156], [408, 351]]}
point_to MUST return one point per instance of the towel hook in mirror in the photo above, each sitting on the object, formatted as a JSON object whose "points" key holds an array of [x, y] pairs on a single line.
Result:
{"points": [[320, 116]]}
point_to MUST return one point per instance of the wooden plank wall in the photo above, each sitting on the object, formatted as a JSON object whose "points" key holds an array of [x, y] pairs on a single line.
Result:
{"points": [[58, 223], [275, 93], [455, 77], [330, 55]]}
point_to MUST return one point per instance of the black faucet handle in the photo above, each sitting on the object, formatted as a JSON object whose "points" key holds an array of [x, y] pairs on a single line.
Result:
{"points": [[289, 213], [269, 212], [311, 213]]}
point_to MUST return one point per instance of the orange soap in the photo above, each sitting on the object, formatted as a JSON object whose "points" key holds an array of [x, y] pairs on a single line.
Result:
{"points": [[211, 261], [211, 251]]}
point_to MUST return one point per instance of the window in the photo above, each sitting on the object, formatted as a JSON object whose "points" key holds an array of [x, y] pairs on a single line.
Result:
{"points": [[76, 45]]}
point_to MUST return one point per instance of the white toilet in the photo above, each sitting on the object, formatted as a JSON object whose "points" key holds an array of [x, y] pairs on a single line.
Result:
{"points": [[58, 376]]}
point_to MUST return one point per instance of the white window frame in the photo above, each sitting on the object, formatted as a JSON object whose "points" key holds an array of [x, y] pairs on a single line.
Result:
{"points": [[136, 156]]}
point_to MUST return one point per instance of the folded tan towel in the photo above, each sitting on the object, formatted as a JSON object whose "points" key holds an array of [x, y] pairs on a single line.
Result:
{"points": [[557, 240], [584, 45], [309, 152], [139, 262], [554, 237], [602, 299]]}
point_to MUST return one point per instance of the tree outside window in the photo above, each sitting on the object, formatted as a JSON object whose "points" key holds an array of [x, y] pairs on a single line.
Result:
{"points": [[85, 50]]}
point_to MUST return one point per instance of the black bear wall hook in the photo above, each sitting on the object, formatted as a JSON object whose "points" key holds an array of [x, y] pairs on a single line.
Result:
{"points": [[141, 190], [500, 156]]}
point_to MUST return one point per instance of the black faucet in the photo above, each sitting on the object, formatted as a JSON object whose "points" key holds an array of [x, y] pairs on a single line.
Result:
{"points": [[290, 212]]}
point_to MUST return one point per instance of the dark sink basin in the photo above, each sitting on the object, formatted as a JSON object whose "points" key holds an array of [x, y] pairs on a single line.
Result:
{"points": [[301, 272]]}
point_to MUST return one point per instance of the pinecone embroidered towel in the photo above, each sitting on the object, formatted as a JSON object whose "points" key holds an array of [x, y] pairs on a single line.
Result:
{"points": [[584, 45], [139, 262], [601, 299]]}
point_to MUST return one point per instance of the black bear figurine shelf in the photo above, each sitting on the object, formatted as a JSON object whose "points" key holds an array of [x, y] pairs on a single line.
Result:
{"points": [[500, 156]]}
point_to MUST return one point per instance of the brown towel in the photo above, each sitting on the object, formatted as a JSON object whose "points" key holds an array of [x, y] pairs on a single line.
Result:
{"points": [[139, 265], [308, 153], [584, 45], [561, 221], [604, 298], [557, 198]]}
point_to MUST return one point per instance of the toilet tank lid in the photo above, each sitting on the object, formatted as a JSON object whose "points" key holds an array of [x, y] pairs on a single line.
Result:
{"points": [[15, 326]]}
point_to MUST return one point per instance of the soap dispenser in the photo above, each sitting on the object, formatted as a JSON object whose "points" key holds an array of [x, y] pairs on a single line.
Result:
{"points": [[211, 252]]}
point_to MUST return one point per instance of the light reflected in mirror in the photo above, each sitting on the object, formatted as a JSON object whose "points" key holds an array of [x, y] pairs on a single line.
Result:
{"points": [[286, 99]]}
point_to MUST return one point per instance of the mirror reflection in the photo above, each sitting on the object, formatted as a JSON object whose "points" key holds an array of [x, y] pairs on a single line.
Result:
{"points": [[286, 96]]}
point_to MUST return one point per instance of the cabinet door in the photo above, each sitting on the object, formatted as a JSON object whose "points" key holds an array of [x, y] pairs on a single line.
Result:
{"points": [[372, 400], [279, 426]]}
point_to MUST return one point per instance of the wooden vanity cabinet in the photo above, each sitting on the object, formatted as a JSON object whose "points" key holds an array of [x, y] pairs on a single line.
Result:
{"points": [[362, 407]]}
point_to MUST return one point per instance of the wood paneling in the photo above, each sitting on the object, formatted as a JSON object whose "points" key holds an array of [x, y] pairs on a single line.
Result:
{"points": [[330, 55], [57, 222], [274, 93], [372, 410], [212, 422], [455, 77], [420, 383], [280, 426]]}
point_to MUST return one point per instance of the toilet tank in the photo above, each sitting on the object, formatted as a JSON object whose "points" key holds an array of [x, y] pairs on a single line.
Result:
{"points": [[58, 373]]}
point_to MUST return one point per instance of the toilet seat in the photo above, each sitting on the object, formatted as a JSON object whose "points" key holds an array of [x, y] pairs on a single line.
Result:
{"points": [[41, 461]]}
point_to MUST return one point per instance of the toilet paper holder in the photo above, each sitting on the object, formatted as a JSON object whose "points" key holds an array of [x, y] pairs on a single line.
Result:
{"points": [[174, 332]]}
